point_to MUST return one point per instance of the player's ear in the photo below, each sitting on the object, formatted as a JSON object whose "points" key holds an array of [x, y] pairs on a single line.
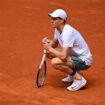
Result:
{"points": [[62, 20]]}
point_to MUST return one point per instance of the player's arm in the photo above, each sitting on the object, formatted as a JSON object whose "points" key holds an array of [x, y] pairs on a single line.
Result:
{"points": [[62, 55], [53, 43]]}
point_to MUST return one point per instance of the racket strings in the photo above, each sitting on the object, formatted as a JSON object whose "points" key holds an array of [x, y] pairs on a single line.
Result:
{"points": [[41, 75]]}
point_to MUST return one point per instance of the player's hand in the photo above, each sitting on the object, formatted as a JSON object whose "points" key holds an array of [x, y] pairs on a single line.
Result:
{"points": [[47, 46], [46, 40]]}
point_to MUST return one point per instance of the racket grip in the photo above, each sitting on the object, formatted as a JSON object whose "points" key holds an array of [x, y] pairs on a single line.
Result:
{"points": [[44, 51]]}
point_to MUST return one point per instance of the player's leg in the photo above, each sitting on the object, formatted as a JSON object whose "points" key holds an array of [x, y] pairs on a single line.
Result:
{"points": [[63, 66], [68, 67], [79, 81]]}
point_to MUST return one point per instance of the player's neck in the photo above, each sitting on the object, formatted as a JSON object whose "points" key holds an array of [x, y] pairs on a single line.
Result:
{"points": [[60, 28]]}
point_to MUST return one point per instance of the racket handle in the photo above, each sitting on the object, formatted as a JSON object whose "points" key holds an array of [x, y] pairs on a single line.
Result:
{"points": [[44, 51]]}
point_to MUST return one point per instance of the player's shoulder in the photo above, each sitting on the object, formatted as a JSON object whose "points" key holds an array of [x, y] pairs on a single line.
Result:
{"points": [[67, 29]]}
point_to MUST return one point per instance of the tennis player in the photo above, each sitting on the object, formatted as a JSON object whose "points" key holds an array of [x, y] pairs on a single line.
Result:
{"points": [[74, 54]]}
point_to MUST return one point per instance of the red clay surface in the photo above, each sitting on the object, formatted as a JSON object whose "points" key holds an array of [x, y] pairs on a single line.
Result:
{"points": [[23, 24]]}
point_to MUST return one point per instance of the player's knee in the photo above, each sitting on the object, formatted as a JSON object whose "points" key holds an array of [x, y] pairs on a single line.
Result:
{"points": [[55, 62]]}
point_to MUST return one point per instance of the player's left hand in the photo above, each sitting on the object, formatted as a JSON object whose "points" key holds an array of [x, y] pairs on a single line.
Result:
{"points": [[47, 46]]}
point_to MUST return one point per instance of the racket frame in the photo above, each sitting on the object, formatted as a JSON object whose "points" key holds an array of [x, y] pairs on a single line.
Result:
{"points": [[42, 62]]}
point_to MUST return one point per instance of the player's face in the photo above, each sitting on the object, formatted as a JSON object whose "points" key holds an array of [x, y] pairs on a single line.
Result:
{"points": [[56, 22]]}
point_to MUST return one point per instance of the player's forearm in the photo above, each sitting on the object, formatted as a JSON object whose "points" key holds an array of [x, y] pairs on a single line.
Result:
{"points": [[54, 45], [56, 53]]}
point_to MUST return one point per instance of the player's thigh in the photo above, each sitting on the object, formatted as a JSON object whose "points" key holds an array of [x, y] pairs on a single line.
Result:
{"points": [[57, 61]]}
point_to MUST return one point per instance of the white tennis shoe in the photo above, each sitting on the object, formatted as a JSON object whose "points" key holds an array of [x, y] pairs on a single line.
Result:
{"points": [[77, 84], [69, 78]]}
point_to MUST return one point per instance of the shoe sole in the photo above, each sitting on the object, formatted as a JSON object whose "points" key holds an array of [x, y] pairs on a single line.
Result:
{"points": [[84, 83], [67, 81]]}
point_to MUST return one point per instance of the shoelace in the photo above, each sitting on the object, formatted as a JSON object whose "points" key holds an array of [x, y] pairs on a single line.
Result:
{"points": [[75, 83]]}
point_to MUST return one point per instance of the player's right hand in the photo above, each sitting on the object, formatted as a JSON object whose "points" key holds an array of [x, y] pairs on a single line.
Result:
{"points": [[45, 40]]}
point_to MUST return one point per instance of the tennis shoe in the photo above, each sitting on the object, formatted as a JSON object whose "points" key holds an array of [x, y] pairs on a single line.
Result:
{"points": [[77, 84], [69, 78]]}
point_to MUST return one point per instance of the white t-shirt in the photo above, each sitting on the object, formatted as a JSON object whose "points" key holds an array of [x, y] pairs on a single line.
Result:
{"points": [[70, 37]]}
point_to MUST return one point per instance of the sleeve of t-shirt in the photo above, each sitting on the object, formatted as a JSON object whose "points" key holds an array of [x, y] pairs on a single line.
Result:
{"points": [[68, 39], [55, 37]]}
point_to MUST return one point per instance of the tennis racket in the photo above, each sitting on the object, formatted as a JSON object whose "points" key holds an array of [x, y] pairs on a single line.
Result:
{"points": [[41, 71]]}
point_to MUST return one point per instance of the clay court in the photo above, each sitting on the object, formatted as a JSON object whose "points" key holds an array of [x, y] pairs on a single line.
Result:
{"points": [[23, 24]]}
